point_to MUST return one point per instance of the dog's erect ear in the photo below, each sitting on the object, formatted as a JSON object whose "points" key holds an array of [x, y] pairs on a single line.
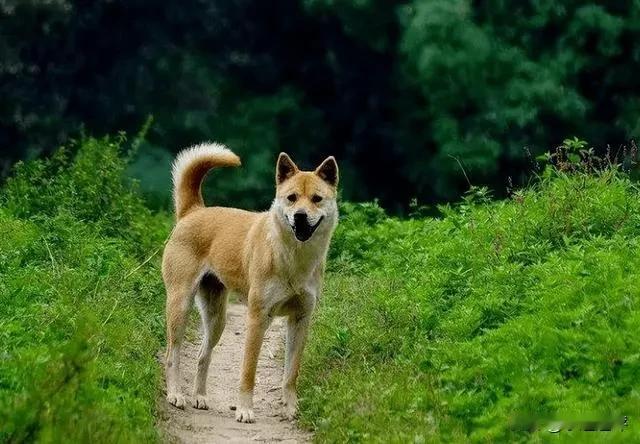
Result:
{"points": [[285, 168], [328, 171]]}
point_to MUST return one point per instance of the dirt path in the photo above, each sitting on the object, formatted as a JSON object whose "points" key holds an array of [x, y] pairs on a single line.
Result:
{"points": [[218, 424]]}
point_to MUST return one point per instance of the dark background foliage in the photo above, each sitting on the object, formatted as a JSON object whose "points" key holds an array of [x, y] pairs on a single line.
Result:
{"points": [[399, 92]]}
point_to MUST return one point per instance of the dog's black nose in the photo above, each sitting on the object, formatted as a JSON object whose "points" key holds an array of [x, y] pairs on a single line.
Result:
{"points": [[299, 217]]}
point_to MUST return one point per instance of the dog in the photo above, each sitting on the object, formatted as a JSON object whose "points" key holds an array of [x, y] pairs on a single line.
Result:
{"points": [[274, 261]]}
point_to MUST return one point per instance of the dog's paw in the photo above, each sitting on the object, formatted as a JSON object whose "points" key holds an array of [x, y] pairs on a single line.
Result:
{"points": [[290, 412], [176, 400], [200, 403], [290, 401], [244, 415]]}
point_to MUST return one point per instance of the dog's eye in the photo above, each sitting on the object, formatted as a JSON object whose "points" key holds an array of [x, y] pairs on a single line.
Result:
{"points": [[292, 198], [316, 199]]}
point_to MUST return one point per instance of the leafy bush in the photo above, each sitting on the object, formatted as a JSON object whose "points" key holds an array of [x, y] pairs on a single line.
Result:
{"points": [[450, 329], [80, 307], [431, 329]]}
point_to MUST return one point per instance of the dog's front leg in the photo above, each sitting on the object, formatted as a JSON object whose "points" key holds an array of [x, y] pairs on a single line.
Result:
{"points": [[257, 324], [297, 330]]}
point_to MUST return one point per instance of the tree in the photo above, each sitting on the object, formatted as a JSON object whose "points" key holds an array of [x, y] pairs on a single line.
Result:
{"points": [[403, 93]]}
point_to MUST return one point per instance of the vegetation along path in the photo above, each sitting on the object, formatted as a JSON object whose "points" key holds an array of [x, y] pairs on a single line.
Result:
{"points": [[218, 424]]}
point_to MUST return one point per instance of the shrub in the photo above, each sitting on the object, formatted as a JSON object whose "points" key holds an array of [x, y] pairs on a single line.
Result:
{"points": [[446, 329], [80, 308]]}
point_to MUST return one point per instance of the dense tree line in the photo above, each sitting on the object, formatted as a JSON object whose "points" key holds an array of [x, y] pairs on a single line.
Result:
{"points": [[403, 93]]}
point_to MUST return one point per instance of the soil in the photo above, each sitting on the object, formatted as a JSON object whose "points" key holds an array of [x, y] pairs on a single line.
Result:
{"points": [[218, 424]]}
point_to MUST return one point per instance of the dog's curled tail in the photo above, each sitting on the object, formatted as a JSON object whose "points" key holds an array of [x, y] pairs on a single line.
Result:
{"points": [[189, 169]]}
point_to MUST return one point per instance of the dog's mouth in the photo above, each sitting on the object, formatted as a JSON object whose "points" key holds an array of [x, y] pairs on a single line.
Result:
{"points": [[303, 230]]}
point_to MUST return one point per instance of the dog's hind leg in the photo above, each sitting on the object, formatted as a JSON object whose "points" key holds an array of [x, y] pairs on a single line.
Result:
{"points": [[211, 300], [179, 302]]}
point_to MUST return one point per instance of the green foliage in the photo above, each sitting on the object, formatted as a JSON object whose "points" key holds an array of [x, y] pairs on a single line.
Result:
{"points": [[256, 131], [80, 310], [447, 329], [254, 127], [92, 188], [485, 95], [451, 329], [371, 22], [400, 90]]}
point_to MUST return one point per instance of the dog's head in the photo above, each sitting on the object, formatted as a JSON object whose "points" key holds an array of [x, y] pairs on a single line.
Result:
{"points": [[306, 200]]}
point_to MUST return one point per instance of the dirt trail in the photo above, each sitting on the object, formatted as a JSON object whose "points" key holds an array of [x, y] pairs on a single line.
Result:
{"points": [[218, 424]]}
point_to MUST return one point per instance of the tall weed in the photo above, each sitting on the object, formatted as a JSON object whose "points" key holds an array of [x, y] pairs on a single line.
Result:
{"points": [[450, 329], [80, 318]]}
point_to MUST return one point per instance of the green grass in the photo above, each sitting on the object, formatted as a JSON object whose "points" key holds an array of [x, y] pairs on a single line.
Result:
{"points": [[451, 329], [446, 329], [80, 320]]}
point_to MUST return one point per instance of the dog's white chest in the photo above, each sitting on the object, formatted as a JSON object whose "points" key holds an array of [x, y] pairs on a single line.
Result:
{"points": [[282, 290]]}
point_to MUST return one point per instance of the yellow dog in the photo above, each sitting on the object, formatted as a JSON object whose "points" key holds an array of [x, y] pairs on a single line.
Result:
{"points": [[273, 260]]}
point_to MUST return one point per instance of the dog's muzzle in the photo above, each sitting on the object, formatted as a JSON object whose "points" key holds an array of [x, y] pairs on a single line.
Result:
{"points": [[301, 227]]}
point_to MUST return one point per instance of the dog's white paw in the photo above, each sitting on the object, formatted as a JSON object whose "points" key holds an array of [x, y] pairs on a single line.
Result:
{"points": [[290, 400], [290, 412], [244, 415], [176, 400], [200, 403]]}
